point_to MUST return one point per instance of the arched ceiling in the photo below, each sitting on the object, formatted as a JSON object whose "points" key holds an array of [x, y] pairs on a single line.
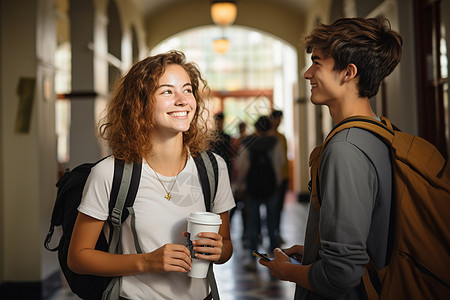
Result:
{"points": [[148, 7], [282, 18]]}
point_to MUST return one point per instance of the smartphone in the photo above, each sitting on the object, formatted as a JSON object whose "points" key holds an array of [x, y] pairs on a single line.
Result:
{"points": [[261, 255], [294, 261], [266, 258]]}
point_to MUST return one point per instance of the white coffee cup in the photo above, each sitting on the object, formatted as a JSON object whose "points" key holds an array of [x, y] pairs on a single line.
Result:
{"points": [[199, 221]]}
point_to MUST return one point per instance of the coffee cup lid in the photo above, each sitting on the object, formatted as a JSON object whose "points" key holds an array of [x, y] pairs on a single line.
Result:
{"points": [[202, 217]]}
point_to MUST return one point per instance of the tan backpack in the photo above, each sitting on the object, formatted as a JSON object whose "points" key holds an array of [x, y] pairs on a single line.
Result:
{"points": [[419, 267]]}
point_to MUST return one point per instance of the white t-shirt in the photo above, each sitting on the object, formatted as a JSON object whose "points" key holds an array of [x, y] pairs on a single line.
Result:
{"points": [[158, 222]]}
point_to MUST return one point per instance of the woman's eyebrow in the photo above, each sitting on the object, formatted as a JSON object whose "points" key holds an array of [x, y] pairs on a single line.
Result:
{"points": [[172, 86]]}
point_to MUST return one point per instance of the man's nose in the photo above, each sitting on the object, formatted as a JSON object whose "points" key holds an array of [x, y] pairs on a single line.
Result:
{"points": [[307, 74]]}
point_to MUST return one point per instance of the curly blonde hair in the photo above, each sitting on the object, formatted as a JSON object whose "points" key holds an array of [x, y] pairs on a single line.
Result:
{"points": [[129, 120]]}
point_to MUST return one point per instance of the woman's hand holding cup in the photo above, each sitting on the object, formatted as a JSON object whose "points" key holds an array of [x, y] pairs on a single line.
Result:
{"points": [[209, 246]]}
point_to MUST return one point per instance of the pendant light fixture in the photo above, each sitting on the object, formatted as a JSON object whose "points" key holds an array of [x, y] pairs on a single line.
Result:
{"points": [[223, 12], [221, 45]]}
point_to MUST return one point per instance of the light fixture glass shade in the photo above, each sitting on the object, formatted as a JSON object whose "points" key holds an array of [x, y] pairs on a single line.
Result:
{"points": [[223, 13], [221, 45]]}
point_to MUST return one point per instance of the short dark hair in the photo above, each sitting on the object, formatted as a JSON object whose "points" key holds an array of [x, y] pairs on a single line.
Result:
{"points": [[276, 114], [219, 116], [370, 44], [263, 124]]}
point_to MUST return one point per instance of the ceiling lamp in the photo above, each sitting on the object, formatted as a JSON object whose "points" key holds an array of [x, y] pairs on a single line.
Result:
{"points": [[223, 12], [221, 45]]}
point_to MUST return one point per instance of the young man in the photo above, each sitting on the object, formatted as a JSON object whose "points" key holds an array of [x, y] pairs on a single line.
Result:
{"points": [[350, 58]]}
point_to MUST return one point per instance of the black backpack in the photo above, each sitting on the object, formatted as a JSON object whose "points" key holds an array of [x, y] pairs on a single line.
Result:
{"points": [[123, 193], [261, 180]]}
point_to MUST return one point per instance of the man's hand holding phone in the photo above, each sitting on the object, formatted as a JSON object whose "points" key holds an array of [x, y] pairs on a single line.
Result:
{"points": [[284, 268], [264, 257], [261, 255]]}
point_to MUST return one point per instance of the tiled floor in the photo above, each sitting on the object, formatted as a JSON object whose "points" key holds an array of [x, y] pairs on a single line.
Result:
{"points": [[233, 281]]}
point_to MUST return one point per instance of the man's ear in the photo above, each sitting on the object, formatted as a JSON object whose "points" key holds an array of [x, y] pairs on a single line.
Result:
{"points": [[350, 72]]}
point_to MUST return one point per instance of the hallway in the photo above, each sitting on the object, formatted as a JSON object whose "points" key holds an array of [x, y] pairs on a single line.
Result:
{"points": [[234, 282]]}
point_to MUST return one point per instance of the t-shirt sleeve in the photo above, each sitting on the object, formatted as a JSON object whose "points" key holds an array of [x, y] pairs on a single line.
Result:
{"points": [[95, 200], [224, 200], [348, 185]]}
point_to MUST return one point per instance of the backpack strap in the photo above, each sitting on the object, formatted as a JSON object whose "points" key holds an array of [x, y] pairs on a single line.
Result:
{"points": [[123, 193], [208, 172], [384, 129], [368, 290], [125, 185], [129, 201], [212, 282], [129, 194]]}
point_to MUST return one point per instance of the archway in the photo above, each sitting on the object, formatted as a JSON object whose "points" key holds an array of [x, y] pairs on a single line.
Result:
{"points": [[258, 73]]}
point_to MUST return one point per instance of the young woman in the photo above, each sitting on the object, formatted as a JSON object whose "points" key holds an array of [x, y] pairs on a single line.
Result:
{"points": [[156, 117]]}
